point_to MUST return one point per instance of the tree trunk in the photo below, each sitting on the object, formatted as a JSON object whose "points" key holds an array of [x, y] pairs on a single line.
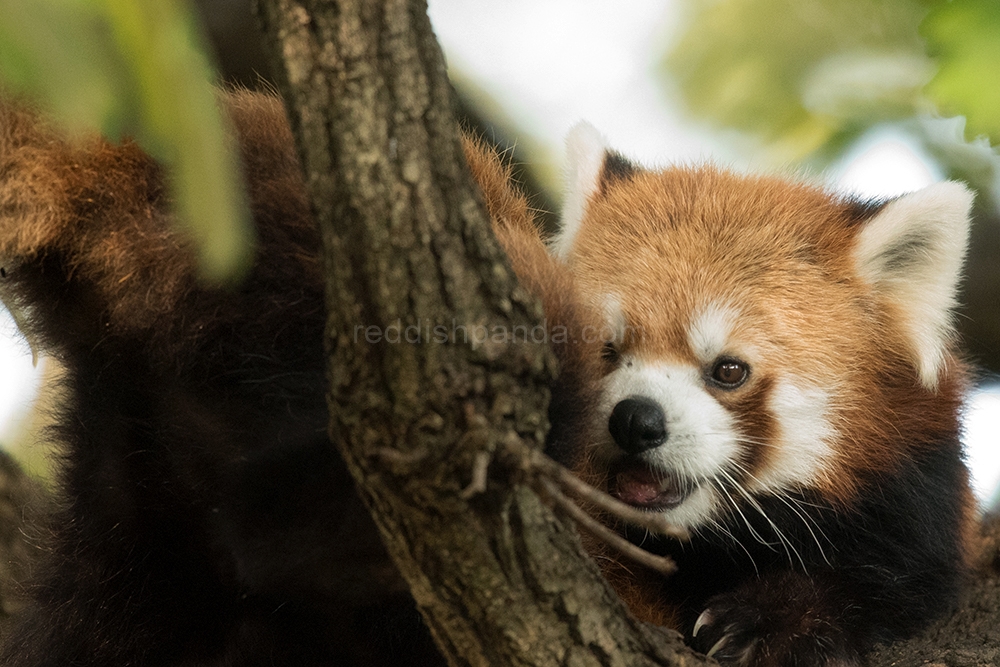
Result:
{"points": [[498, 577]]}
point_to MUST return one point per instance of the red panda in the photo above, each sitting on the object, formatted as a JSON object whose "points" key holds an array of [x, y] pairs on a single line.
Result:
{"points": [[780, 378]]}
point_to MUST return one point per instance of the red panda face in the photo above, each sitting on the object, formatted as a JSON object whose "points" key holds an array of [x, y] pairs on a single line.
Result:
{"points": [[750, 322]]}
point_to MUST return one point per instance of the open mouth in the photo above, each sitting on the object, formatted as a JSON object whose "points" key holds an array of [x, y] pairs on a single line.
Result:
{"points": [[638, 485]]}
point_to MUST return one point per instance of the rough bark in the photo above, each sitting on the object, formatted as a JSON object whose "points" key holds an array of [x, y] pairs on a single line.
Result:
{"points": [[498, 577]]}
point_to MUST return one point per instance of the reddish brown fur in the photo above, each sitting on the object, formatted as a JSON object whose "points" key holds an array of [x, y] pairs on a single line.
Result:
{"points": [[90, 201], [572, 323], [892, 502], [104, 208], [515, 227]]}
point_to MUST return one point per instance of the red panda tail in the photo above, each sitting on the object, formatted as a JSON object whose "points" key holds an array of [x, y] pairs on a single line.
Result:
{"points": [[88, 240], [91, 217]]}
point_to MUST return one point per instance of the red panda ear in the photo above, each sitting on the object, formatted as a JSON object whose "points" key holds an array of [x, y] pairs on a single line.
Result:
{"points": [[591, 166], [585, 150], [912, 252]]}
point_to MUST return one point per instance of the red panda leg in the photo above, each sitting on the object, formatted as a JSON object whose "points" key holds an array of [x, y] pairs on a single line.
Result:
{"points": [[784, 619]]}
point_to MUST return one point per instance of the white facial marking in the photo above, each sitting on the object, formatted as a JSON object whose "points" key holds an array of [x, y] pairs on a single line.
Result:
{"points": [[912, 251], [611, 306], [803, 443], [585, 150], [703, 504], [701, 435], [710, 330]]}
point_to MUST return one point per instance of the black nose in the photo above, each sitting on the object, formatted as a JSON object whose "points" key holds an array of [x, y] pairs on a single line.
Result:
{"points": [[637, 424]]}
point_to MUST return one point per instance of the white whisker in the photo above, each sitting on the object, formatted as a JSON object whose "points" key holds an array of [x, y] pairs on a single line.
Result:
{"points": [[736, 506], [782, 538], [720, 527], [790, 502]]}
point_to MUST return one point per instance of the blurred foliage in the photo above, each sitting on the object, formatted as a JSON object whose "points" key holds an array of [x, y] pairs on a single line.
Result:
{"points": [[964, 38], [122, 67], [808, 77], [803, 75]]}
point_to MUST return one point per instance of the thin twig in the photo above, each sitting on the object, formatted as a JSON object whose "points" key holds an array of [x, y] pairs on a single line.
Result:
{"points": [[480, 468], [639, 555], [397, 457]]}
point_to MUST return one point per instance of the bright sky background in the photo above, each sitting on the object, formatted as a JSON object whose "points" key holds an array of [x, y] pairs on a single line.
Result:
{"points": [[551, 63], [19, 378]]}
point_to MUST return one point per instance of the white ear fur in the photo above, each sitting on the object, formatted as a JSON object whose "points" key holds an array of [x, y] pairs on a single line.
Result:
{"points": [[585, 151], [912, 251]]}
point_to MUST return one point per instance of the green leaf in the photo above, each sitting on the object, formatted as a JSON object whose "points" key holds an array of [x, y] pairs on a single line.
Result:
{"points": [[964, 36], [60, 52], [181, 125], [128, 67], [800, 74]]}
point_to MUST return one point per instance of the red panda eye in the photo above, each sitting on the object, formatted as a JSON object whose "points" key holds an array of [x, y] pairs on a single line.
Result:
{"points": [[730, 373], [609, 353]]}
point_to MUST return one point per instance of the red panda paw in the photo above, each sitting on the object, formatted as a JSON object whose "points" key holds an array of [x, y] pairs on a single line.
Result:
{"points": [[776, 622]]}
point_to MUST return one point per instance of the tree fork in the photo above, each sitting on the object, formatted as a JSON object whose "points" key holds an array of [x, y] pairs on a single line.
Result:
{"points": [[499, 578]]}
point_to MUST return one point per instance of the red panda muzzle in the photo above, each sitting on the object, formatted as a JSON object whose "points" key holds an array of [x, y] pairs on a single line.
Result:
{"points": [[637, 484]]}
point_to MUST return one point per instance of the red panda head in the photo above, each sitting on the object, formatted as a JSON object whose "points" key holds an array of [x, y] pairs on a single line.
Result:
{"points": [[761, 336]]}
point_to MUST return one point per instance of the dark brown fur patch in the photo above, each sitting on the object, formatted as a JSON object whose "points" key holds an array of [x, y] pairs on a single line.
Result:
{"points": [[754, 419], [858, 211], [615, 169]]}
